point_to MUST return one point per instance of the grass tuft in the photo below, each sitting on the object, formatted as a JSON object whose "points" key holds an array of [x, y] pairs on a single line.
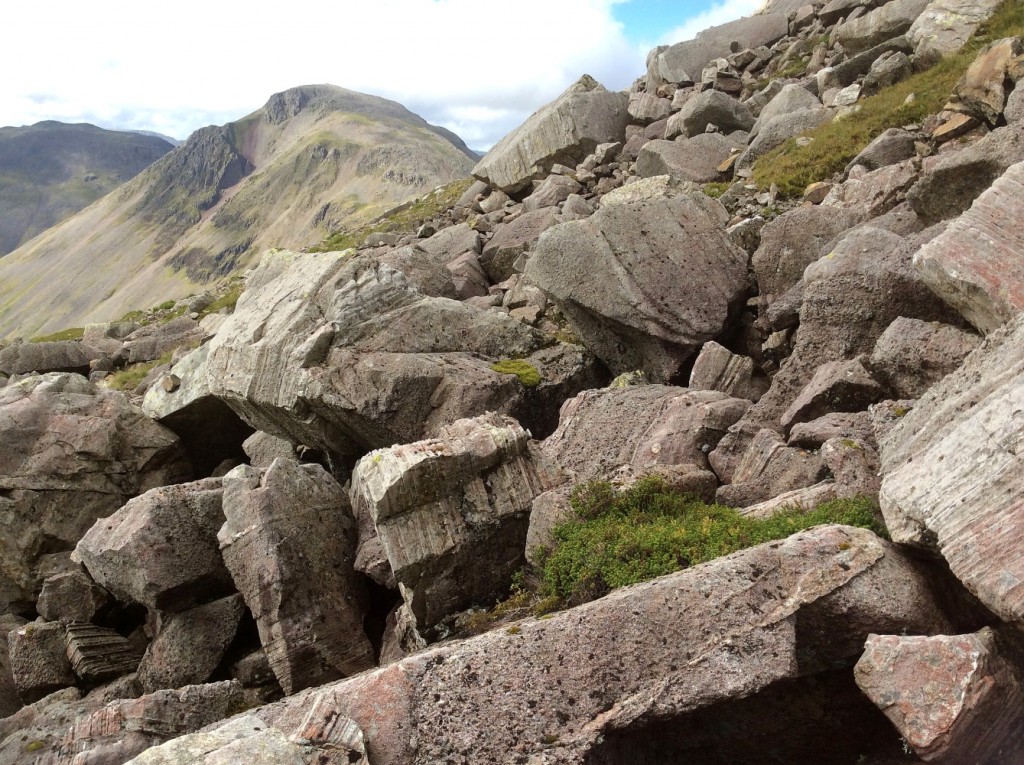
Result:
{"points": [[75, 333], [525, 371]]}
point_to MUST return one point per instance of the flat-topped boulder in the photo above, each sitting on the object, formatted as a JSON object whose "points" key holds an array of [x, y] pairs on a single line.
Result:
{"points": [[59, 356]]}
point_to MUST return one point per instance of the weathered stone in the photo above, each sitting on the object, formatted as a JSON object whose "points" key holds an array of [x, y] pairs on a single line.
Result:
{"points": [[98, 654], [770, 468], [188, 646], [854, 466], [819, 594], [717, 368], [427, 272], [892, 146], [253, 669], [975, 264], [468, 276], [981, 91], [960, 177], [911, 355], [39, 664], [678, 62], [513, 239], [891, 19], [778, 130], [811, 435], [646, 107], [9, 701], [953, 698], [452, 512], [709, 108], [550, 192], [816, 192], [957, 126], [891, 68], [60, 356], [125, 728], [621, 279], [564, 131], [72, 452], [877, 192], [576, 205], [695, 159], [153, 341], [262, 449], [71, 596], [837, 386], [836, 10], [953, 469], [804, 500], [289, 543], [350, 356], [1014, 111], [160, 549], [790, 98]]}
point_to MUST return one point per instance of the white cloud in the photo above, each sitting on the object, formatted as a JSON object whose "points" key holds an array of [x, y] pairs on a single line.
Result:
{"points": [[721, 12], [478, 68]]}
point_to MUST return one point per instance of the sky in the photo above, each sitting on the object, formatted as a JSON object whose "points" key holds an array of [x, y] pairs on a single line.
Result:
{"points": [[478, 67]]}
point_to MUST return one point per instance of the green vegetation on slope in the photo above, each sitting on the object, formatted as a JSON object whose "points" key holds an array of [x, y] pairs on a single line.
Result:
{"points": [[792, 167], [648, 530], [74, 333], [524, 370]]}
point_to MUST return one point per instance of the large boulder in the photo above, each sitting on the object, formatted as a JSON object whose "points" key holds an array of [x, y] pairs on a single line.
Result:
{"points": [[344, 354], [712, 107], [944, 26], [696, 159], [289, 542], [72, 452], [953, 698], [686, 60], [953, 472], [512, 239], [59, 356], [975, 264], [893, 18], [160, 549], [790, 98], [982, 90], [778, 130], [564, 132], [912, 355], [643, 284], [452, 512], [643, 661]]}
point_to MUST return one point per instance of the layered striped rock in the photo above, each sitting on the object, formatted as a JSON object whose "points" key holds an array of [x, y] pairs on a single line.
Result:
{"points": [[289, 542], [954, 472], [975, 265], [560, 689], [953, 698], [451, 513], [98, 654]]}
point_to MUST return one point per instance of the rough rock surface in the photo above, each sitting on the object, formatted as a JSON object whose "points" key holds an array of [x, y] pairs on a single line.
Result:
{"points": [[513, 239], [160, 549], [777, 131], [712, 107], [975, 264], [696, 159], [289, 542], [71, 596], [953, 698], [38, 660], [452, 512], [770, 468], [72, 452], [912, 355], [60, 356], [945, 25], [344, 354], [982, 90], [953, 469], [717, 368], [891, 19], [564, 131], [728, 640], [621, 279], [837, 386]]}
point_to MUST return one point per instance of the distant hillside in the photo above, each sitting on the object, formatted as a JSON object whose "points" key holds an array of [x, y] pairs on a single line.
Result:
{"points": [[313, 159], [51, 170]]}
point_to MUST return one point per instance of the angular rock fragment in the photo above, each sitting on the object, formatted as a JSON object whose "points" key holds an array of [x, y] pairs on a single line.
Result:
{"points": [[625, 279], [289, 543], [945, 25], [71, 596], [728, 640], [513, 239], [262, 449], [981, 92], [790, 98], [696, 159], [837, 386], [61, 356], [778, 130], [975, 264], [854, 466], [913, 355], [160, 549], [564, 131], [891, 19], [153, 341], [717, 368], [953, 469], [711, 107], [38, 661], [770, 468], [188, 646], [953, 698], [811, 435], [72, 452], [98, 654], [452, 512]]}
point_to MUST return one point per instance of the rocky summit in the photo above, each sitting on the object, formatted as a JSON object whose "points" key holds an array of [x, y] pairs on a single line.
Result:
{"points": [[688, 429]]}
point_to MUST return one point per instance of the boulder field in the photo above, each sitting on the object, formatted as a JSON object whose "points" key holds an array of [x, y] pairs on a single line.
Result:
{"points": [[315, 526]]}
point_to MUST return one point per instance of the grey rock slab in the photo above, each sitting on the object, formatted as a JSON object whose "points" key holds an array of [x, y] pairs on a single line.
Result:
{"points": [[912, 355], [9, 700], [71, 596], [952, 472], [710, 107], [778, 130], [550, 192], [564, 131], [1014, 109], [38, 662], [791, 98], [975, 264], [468, 276], [289, 542], [72, 452], [452, 512], [874, 193], [959, 177], [153, 341], [739, 639], [512, 239], [893, 146], [718, 368], [262, 449], [160, 549], [189, 645], [837, 386], [624, 278], [98, 654], [853, 425], [60, 356], [982, 90], [854, 466], [853, 67], [646, 107], [953, 698], [696, 159], [891, 19], [770, 468]]}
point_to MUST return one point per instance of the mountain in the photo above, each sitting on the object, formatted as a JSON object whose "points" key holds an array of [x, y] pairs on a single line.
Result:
{"points": [[311, 160], [51, 170]]}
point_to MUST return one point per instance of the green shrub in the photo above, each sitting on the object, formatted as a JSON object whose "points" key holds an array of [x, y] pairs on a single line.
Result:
{"points": [[128, 379], [793, 167], [228, 300], [648, 530], [525, 371]]}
